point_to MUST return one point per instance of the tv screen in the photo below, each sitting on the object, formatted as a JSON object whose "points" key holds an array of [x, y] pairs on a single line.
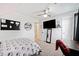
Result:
{"points": [[49, 24]]}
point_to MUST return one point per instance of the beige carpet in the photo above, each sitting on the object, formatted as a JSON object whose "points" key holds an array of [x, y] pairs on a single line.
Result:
{"points": [[49, 49]]}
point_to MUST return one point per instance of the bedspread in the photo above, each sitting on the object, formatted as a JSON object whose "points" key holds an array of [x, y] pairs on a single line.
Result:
{"points": [[19, 47]]}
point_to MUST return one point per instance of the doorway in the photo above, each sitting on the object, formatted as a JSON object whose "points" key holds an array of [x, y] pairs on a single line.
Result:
{"points": [[37, 28]]}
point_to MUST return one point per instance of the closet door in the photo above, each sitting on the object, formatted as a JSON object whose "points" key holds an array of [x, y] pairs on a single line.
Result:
{"points": [[67, 28]]}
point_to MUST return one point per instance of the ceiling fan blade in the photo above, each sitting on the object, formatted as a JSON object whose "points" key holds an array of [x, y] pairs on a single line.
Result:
{"points": [[40, 14], [49, 15]]}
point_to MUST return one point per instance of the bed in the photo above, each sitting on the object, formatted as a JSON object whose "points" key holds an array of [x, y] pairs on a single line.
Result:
{"points": [[19, 47]]}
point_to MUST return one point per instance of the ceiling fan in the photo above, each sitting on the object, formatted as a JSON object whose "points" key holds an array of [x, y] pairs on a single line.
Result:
{"points": [[45, 13]]}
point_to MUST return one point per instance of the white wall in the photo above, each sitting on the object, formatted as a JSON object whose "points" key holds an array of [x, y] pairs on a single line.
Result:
{"points": [[22, 33], [10, 12], [67, 28]]}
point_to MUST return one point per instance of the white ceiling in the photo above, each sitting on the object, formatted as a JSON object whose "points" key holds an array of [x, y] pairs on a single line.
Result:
{"points": [[23, 8], [30, 8], [63, 7]]}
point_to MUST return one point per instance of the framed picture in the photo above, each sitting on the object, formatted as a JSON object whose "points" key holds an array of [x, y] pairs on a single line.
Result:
{"points": [[9, 24]]}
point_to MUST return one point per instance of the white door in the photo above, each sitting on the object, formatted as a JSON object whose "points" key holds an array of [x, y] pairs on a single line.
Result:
{"points": [[67, 28]]}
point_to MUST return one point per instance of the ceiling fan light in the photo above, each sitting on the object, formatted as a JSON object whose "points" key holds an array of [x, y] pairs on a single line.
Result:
{"points": [[45, 15]]}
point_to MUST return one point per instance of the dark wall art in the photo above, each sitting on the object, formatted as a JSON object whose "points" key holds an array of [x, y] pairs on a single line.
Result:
{"points": [[9, 24]]}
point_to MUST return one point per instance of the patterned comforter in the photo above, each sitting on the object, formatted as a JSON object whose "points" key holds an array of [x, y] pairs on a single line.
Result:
{"points": [[19, 47]]}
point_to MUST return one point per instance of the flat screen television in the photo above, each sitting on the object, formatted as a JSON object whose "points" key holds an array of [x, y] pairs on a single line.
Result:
{"points": [[49, 24]]}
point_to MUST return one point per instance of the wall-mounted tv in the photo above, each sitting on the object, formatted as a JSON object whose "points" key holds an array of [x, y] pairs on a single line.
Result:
{"points": [[49, 24]]}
